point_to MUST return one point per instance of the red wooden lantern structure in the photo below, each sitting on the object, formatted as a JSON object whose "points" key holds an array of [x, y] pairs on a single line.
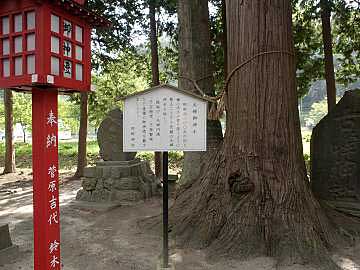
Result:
{"points": [[46, 43], [44, 49]]}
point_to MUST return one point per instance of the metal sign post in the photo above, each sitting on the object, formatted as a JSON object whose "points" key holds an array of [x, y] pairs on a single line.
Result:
{"points": [[165, 209], [161, 119]]}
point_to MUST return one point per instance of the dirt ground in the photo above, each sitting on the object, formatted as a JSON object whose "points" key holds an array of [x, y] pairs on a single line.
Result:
{"points": [[95, 237]]}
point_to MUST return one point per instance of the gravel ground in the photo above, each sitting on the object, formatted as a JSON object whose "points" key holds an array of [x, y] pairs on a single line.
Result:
{"points": [[96, 237]]}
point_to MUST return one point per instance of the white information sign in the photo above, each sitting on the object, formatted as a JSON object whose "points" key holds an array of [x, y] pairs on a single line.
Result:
{"points": [[164, 118]]}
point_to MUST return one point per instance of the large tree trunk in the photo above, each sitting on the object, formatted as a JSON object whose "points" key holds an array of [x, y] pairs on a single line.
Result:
{"points": [[154, 67], [195, 63], [253, 197], [328, 52], [82, 162], [224, 39], [10, 150]]}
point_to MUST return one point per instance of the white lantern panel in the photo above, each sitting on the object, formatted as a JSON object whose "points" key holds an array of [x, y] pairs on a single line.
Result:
{"points": [[67, 29], [67, 48], [18, 66], [18, 23], [55, 66], [78, 33], [5, 26], [18, 44], [30, 20], [55, 45], [30, 60], [79, 72], [30, 42], [79, 53], [6, 67], [67, 69], [55, 23], [6, 46]]}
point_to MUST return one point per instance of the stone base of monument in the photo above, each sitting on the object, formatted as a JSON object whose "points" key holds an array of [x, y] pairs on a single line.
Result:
{"points": [[118, 182], [8, 251]]}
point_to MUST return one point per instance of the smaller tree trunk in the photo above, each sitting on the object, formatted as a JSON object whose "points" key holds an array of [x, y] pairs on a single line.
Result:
{"points": [[82, 162], [10, 150], [24, 134], [328, 52], [154, 68]]}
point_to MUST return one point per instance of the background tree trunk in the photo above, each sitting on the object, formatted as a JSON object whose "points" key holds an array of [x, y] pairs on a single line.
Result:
{"points": [[328, 53], [253, 198], [154, 68], [82, 161], [10, 149], [195, 63]]}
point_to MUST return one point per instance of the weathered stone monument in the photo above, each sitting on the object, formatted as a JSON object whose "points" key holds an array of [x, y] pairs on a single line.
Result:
{"points": [[119, 177], [7, 250], [335, 155]]}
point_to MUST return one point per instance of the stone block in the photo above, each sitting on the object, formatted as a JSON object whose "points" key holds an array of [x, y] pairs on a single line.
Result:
{"points": [[106, 172], [108, 183], [99, 172], [126, 195], [115, 172], [89, 184], [129, 183], [100, 196], [90, 172], [5, 240]]}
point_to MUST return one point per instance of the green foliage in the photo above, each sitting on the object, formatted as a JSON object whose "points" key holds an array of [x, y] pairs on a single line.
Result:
{"points": [[69, 114], [22, 111], [308, 45], [124, 76], [317, 112], [347, 43], [67, 154]]}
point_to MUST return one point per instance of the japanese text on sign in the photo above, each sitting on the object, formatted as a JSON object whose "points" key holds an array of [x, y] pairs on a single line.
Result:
{"points": [[163, 120]]}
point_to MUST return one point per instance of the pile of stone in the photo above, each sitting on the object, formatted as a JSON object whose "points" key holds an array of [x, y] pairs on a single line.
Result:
{"points": [[119, 177], [118, 181]]}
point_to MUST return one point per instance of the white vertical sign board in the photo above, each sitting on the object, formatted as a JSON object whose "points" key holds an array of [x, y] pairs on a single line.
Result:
{"points": [[164, 119]]}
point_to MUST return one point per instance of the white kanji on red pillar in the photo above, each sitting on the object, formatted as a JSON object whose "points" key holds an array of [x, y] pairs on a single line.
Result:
{"points": [[52, 186], [51, 119], [53, 202], [53, 219], [51, 171], [54, 261], [51, 140], [54, 246]]}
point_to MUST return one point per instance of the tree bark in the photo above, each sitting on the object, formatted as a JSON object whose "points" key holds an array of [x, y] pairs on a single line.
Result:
{"points": [[82, 161], [10, 149], [328, 54], [195, 63], [154, 68], [253, 197], [224, 39]]}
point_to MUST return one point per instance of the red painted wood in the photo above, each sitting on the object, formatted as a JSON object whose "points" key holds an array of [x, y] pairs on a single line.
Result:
{"points": [[43, 10], [81, 2], [45, 180]]}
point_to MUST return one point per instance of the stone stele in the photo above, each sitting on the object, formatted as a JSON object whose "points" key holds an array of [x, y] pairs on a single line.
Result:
{"points": [[110, 138], [335, 155]]}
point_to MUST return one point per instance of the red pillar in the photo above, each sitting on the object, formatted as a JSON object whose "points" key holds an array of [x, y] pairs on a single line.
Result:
{"points": [[45, 180]]}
